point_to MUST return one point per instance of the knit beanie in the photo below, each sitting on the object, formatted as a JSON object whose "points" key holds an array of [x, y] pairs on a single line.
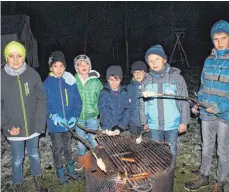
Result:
{"points": [[14, 46], [156, 49], [138, 65], [220, 27], [114, 70], [82, 58], [56, 56]]}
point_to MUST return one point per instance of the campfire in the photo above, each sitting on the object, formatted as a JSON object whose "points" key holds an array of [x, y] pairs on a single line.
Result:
{"points": [[130, 167]]}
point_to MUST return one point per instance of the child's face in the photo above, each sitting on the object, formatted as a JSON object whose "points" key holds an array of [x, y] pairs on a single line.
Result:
{"points": [[221, 41], [114, 82], [15, 60], [58, 69], [139, 75], [156, 62], [83, 68]]}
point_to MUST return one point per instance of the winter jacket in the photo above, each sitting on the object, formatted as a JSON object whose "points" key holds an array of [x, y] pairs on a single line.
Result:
{"points": [[63, 98], [114, 108], [89, 93], [135, 101], [214, 90], [166, 113], [23, 103]]}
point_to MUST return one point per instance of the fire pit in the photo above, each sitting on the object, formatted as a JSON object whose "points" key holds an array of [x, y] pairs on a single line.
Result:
{"points": [[130, 167]]}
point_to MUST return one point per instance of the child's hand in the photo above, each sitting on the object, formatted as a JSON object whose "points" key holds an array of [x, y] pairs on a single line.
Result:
{"points": [[15, 131], [195, 109], [182, 128], [146, 128]]}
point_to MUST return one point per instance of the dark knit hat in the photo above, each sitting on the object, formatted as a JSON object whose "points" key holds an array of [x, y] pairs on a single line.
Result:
{"points": [[156, 49], [56, 56], [138, 65], [114, 70], [220, 27]]}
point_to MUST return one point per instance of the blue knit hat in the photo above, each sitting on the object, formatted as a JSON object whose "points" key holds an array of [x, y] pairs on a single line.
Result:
{"points": [[156, 49], [220, 27]]}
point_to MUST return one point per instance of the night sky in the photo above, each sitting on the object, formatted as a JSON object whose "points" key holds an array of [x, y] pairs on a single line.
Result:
{"points": [[97, 27]]}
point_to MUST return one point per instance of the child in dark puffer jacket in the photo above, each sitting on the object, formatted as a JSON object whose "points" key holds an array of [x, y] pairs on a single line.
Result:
{"points": [[113, 101], [139, 71]]}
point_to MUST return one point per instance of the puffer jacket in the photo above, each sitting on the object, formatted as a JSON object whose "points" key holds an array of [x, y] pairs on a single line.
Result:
{"points": [[134, 89], [166, 113], [89, 93], [63, 98], [214, 90], [114, 107], [23, 103]]}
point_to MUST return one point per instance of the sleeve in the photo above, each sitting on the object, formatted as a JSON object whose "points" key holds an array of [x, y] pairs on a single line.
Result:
{"points": [[49, 110], [104, 116], [143, 104], [126, 114], [221, 107], [41, 105], [185, 108], [5, 119], [76, 102], [202, 77], [99, 88]]}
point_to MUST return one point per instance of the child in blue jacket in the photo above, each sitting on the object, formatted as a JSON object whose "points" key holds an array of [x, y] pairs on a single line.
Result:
{"points": [[166, 117], [113, 101], [64, 105], [214, 93], [139, 71]]}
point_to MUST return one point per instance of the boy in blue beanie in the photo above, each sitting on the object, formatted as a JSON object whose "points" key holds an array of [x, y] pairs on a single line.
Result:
{"points": [[166, 116], [214, 92], [64, 105]]}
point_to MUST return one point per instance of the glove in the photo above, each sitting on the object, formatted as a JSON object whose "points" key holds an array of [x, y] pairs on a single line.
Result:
{"points": [[57, 120], [116, 127], [72, 122]]}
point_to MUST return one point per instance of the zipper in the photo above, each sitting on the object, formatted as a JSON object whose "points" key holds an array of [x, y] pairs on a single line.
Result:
{"points": [[61, 96], [66, 96], [23, 106]]}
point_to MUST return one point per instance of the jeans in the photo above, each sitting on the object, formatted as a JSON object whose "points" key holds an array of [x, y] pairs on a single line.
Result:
{"points": [[61, 141], [18, 154], [211, 130], [170, 136], [91, 124]]}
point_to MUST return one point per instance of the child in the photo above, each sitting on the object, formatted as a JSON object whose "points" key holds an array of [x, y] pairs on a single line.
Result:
{"points": [[166, 116], [138, 70], [89, 86], [114, 102], [214, 92], [23, 105], [63, 106]]}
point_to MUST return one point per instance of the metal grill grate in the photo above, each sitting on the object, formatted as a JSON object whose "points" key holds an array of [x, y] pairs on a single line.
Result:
{"points": [[149, 156]]}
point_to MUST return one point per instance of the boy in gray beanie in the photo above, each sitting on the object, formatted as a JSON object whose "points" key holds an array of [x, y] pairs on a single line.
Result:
{"points": [[139, 72], [113, 101], [89, 87], [215, 119]]}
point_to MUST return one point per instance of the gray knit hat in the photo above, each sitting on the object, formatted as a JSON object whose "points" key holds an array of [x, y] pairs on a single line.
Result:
{"points": [[82, 58], [138, 65], [114, 70]]}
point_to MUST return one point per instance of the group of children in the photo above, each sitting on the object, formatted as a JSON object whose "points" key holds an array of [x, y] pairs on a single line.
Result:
{"points": [[82, 98]]}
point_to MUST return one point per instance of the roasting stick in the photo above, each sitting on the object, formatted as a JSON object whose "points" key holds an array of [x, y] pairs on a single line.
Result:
{"points": [[107, 132], [189, 99], [99, 161]]}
